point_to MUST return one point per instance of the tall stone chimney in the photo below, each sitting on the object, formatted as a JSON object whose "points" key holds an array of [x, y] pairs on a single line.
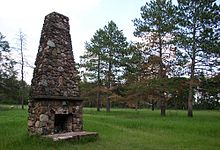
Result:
{"points": [[55, 105], [55, 73]]}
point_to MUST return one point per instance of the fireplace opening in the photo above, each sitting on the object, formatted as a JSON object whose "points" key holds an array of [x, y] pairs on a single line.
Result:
{"points": [[62, 123]]}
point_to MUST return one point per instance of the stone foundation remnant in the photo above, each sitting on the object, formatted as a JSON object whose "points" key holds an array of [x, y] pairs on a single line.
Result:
{"points": [[55, 106]]}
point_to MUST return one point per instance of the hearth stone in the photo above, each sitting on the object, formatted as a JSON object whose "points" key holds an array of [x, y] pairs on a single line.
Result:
{"points": [[72, 135]]}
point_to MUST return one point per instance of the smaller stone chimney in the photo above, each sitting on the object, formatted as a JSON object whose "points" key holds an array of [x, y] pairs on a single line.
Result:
{"points": [[55, 105]]}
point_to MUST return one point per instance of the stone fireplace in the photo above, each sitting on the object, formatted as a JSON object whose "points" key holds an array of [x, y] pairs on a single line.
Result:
{"points": [[55, 105]]}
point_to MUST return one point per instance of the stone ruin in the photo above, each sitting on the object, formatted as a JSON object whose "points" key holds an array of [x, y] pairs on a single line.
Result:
{"points": [[55, 105]]}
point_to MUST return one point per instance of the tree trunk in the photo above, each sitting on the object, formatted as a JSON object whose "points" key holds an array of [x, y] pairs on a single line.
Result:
{"points": [[22, 85], [98, 102], [137, 105], [191, 88], [192, 75], [153, 105], [22, 71], [162, 108], [190, 108], [99, 85], [161, 76], [108, 104], [22, 97]]}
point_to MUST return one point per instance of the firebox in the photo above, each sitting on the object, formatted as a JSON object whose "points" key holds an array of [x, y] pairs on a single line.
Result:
{"points": [[62, 123]]}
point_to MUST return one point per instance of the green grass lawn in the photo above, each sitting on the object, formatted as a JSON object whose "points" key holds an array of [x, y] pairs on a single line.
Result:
{"points": [[121, 129]]}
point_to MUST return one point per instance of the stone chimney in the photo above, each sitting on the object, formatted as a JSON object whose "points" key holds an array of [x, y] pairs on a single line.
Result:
{"points": [[55, 105], [55, 73]]}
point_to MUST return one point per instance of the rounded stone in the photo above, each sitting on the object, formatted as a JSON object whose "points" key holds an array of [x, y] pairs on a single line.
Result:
{"points": [[60, 69], [43, 82], [51, 43], [63, 55], [54, 53], [37, 124], [39, 131], [30, 123], [44, 118], [43, 124]]}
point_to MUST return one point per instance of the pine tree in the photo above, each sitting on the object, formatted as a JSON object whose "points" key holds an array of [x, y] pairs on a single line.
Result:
{"points": [[156, 27], [106, 54], [6, 62], [93, 62], [198, 36], [8, 81]]}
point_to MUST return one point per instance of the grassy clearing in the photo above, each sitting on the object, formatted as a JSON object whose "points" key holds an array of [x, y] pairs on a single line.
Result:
{"points": [[122, 129]]}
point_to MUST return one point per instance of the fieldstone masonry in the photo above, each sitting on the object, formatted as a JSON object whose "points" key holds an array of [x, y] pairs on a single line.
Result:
{"points": [[55, 105]]}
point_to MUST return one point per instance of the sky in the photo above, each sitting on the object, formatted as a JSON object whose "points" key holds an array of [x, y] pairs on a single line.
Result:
{"points": [[86, 16]]}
